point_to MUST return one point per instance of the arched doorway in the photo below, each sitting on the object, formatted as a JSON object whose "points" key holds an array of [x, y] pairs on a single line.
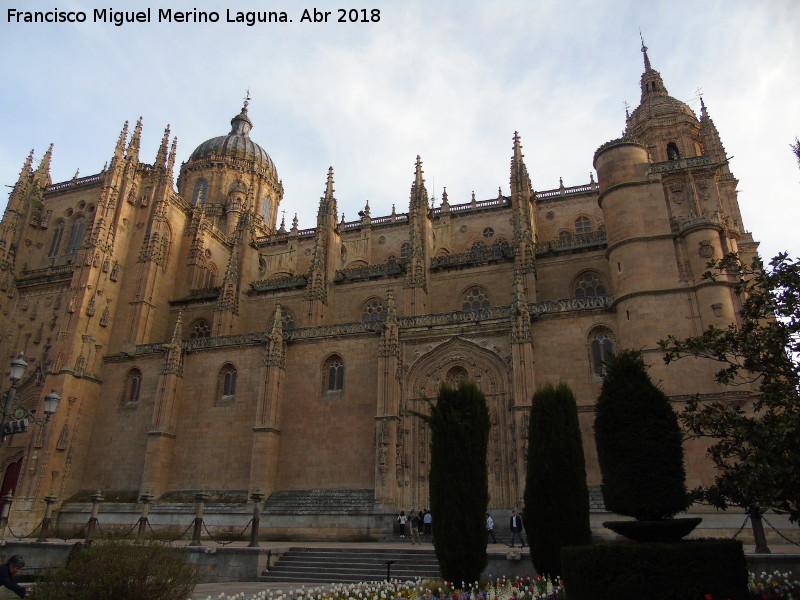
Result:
{"points": [[451, 362]]}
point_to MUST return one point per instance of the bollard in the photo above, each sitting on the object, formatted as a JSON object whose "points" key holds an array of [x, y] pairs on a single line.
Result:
{"points": [[97, 499], [145, 499], [200, 498], [7, 500], [50, 500], [257, 497]]}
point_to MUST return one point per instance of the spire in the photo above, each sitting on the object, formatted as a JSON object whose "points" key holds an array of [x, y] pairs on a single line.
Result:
{"points": [[520, 180], [42, 175], [173, 152], [136, 140], [26, 168], [647, 66], [327, 203], [712, 143], [161, 157], [651, 82], [419, 195], [123, 136]]}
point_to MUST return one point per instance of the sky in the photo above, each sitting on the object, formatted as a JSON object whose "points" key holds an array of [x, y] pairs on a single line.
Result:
{"points": [[449, 81]]}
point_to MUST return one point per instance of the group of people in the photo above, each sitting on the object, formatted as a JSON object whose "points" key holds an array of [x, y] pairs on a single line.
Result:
{"points": [[515, 524], [421, 523]]}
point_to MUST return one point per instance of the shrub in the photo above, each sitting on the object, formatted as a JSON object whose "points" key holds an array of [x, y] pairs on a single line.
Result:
{"points": [[459, 490], [121, 570], [639, 443], [556, 495], [677, 571]]}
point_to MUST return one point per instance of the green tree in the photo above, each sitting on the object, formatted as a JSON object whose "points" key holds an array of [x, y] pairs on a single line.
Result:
{"points": [[756, 448], [639, 443], [459, 489], [556, 495]]}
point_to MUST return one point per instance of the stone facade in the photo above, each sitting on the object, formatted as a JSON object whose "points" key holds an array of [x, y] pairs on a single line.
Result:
{"points": [[199, 345]]}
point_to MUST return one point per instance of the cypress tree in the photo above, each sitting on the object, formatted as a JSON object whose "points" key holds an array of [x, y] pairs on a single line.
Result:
{"points": [[556, 494], [459, 490], [639, 443]]}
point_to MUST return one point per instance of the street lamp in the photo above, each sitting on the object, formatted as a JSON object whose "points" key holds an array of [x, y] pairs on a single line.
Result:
{"points": [[17, 418]]}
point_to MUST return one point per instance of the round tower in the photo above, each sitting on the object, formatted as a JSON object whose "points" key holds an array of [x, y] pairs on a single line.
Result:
{"points": [[231, 174]]}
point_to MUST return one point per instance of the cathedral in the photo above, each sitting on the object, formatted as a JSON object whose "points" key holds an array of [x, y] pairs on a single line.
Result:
{"points": [[198, 345]]}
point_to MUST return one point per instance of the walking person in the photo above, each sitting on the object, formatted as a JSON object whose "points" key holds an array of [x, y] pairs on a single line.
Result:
{"points": [[516, 529], [490, 528], [7, 572]]}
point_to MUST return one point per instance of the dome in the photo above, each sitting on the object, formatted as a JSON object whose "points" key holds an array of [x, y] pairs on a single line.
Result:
{"points": [[237, 144], [657, 109]]}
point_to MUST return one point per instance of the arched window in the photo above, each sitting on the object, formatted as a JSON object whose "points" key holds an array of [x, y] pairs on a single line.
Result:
{"points": [[200, 191], [373, 310], [211, 276], [75, 235], [405, 250], [672, 151], [601, 346], [133, 383], [55, 244], [333, 374], [588, 285], [455, 376], [287, 320], [564, 233], [501, 245], [478, 245], [583, 225], [266, 204], [474, 298], [227, 382], [199, 328]]}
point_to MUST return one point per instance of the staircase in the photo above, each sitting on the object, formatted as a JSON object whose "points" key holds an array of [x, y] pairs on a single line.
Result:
{"points": [[351, 565]]}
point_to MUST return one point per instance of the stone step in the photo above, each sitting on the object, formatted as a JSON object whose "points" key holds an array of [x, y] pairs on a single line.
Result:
{"points": [[345, 565], [304, 502]]}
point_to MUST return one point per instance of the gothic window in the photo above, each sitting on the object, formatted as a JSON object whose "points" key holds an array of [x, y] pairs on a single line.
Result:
{"points": [[601, 347], [589, 285], [265, 207], [405, 250], [564, 233], [333, 374], [55, 244], [75, 235], [211, 276], [200, 191], [227, 382], [455, 376], [500, 245], [199, 328], [287, 320], [478, 245], [133, 383], [475, 299], [583, 225], [373, 310], [672, 151], [488, 232]]}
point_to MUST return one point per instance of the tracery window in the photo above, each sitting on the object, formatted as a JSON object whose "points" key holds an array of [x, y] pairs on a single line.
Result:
{"points": [[564, 233], [405, 251], [488, 232], [589, 285], [287, 320], [583, 225], [227, 382], [475, 298], [601, 346], [200, 191], [333, 374], [55, 244], [500, 245], [133, 383], [75, 235], [211, 276], [373, 310], [199, 328], [455, 376]]}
